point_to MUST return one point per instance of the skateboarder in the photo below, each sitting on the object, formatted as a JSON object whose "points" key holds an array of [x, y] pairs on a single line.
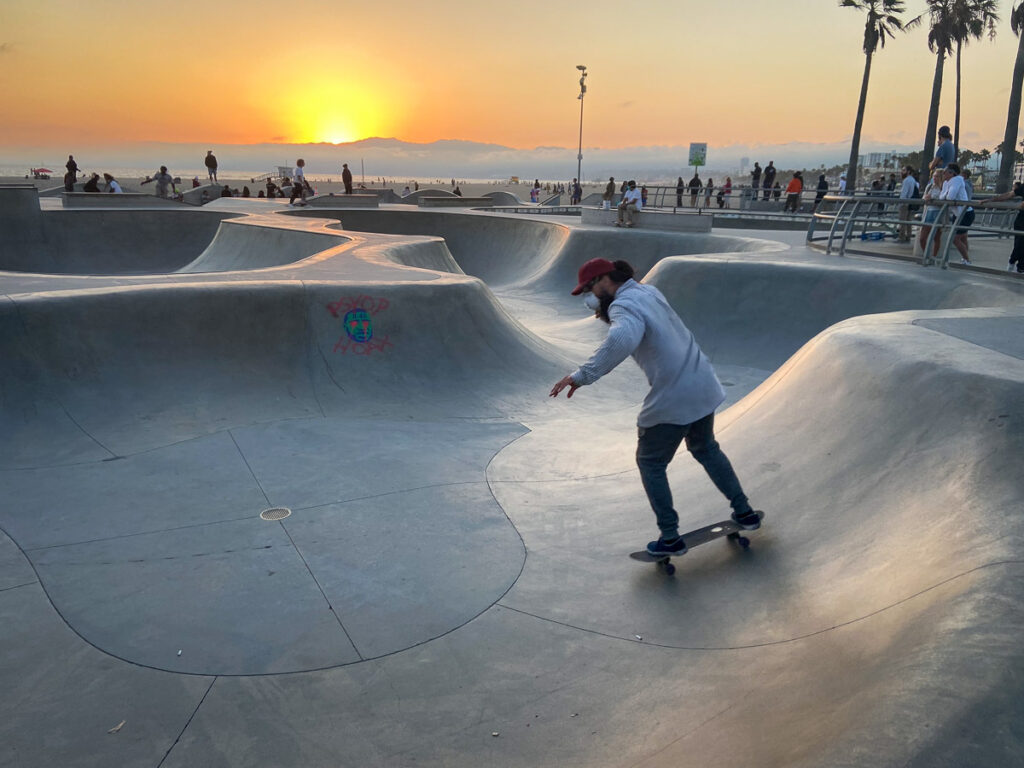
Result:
{"points": [[683, 397]]}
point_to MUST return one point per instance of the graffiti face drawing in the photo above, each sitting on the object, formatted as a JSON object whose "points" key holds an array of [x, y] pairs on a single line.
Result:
{"points": [[358, 325]]}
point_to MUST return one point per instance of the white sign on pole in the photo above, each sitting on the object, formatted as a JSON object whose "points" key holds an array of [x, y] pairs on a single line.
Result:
{"points": [[698, 154]]}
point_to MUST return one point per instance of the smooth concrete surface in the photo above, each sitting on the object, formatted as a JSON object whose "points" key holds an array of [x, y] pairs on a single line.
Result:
{"points": [[452, 586], [357, 200], [455, 201], [650, 218]]}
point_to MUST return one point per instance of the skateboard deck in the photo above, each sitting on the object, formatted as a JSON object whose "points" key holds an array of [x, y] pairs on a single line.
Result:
{"points": [[727, 528]]}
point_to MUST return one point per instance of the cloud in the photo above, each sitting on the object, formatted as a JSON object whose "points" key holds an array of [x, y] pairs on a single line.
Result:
{"points": [[6, 48]]}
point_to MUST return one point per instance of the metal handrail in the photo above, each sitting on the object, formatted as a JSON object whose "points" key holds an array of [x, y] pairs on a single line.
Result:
{"points": [[867, 211]]}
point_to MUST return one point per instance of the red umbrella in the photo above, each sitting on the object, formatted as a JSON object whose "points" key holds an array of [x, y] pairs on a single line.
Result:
{"points": [[41, 170]]}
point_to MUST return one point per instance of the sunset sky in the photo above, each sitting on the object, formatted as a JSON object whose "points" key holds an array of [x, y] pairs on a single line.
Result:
{"points": [[105, 72]]}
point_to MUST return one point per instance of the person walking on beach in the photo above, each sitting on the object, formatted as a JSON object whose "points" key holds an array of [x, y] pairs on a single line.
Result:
{"points": [[609, 194], [681, 403], [299, 182], [1016, 195], [164, 182], [632, 202], [346, 178], [211, 166]]}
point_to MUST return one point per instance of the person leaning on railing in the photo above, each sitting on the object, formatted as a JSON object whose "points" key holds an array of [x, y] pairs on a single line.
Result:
{"points": [[1016, 195], [931, 212]]}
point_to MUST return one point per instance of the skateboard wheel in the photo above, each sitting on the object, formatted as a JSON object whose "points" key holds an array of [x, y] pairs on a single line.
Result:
{"points": [[670, 569], [743, 541]]}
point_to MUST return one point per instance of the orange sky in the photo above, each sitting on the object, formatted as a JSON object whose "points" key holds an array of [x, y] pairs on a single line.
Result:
{"points": [[103, 72]]}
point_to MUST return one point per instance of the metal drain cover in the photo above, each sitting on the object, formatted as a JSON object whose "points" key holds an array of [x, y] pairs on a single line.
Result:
{"points": [[275, 513]]}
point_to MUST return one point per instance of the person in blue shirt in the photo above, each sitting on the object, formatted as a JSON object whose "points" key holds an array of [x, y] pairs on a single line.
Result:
{"points": [[945, 153], [684, 393]]}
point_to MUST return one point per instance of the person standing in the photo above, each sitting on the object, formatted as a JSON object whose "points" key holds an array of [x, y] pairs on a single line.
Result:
{"points": [[794, 189], [631, 204], [726, 191], [609, 194], [695, 185], [299, 182], [954, 188], [346, 178], [821, 192], [944, 153], [909, 189], [769, 179], [755, 180], [164, 182], [72, 174], [211, 166], [681, 403], [931, 212], [577, 192], [709, 188], [1017, 196], [680, 191]]}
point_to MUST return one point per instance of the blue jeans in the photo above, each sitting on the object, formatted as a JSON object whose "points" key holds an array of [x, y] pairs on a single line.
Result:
{"points": [[657, 446]]}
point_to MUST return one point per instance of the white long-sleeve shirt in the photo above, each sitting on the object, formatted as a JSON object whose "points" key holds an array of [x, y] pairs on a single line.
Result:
{"points": [[908, 187], [954, 189], [684, 387]]}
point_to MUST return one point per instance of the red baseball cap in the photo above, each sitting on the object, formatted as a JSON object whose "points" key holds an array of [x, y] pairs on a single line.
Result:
{"points": [[590, 270]]}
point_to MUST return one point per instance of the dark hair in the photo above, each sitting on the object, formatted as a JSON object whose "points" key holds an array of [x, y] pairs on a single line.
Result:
{"points": [[953, 168], [623, 271]]}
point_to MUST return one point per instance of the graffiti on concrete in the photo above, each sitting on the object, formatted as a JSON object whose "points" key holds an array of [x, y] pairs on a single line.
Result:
{"points": [[357, 314]]}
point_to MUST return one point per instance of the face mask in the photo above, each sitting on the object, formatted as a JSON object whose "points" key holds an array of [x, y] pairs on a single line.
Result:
{"points": [[592, 302]]}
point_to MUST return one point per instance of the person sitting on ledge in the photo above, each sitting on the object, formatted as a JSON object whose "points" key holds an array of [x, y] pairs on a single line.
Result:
{"points": [[92, 185], [631, 204], [112, 186]]}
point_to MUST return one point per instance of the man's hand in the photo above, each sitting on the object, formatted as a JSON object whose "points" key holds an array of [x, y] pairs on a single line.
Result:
{"points": [[562, 384]]}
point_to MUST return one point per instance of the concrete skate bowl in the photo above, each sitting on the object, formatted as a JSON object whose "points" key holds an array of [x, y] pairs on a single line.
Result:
{"points": [[429, 587], [122, 242]]}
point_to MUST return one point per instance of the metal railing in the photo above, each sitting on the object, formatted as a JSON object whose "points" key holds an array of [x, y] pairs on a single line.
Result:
{"points": [[877, 217]]}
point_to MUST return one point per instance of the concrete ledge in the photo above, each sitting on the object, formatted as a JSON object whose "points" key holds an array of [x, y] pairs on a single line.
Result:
{"points": [[107, 200], [651, 219], [455, 202], [344, 201]]}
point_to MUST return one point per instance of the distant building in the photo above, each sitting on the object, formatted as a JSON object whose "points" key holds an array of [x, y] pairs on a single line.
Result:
{"points": [[744, 164], [877, 160]]}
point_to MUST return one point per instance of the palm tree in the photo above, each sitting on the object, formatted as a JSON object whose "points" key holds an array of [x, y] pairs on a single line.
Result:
{"points": [[1013, 109], [882, 21], [970, 19], [940, 42]]}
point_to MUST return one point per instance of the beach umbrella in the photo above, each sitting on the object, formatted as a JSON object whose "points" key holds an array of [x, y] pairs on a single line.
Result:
{"points": [[42, 170]]}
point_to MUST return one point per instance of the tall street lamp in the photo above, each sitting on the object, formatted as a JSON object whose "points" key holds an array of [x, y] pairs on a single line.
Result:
{"points": [[583, 90]]}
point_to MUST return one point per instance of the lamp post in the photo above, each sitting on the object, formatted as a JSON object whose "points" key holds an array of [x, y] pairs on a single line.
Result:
{"points": [[579, 155]]}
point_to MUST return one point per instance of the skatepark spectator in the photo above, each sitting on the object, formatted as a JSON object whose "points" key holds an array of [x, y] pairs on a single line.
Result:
{"points": [[631, 203], [272, 189], [112, 186], [684, 391], [643, 196], [695, 185], [680, 191], [246, 192], [195, 182], [164, 182], [93, 184], [755, 179], [72, 168], [609, 194], [842, 183], [931, 212], [769, 179], [708, 189], [457, 192], [261, 195], [346, 178], [909, 189], [1016, 195], [944, 153], [298, 183], [954, 188], [577, 192], [793, 191], [205, 197], [777, 192], [727, 192], [226, 191], [406, 192], [211, 166], [822, 191]]}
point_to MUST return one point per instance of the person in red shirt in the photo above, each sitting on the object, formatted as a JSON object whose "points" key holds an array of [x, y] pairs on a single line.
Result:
{"points": [[793, 190]]}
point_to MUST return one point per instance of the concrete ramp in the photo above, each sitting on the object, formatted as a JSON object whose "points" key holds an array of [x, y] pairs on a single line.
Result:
{"points": [[307, 502]]}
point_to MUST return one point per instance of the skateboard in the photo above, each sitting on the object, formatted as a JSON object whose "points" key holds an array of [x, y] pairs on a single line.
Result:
{"points": [[727, 528]]}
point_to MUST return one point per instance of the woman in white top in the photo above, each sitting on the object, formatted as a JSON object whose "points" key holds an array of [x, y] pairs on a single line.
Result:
{"points": [[931, 212]]}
